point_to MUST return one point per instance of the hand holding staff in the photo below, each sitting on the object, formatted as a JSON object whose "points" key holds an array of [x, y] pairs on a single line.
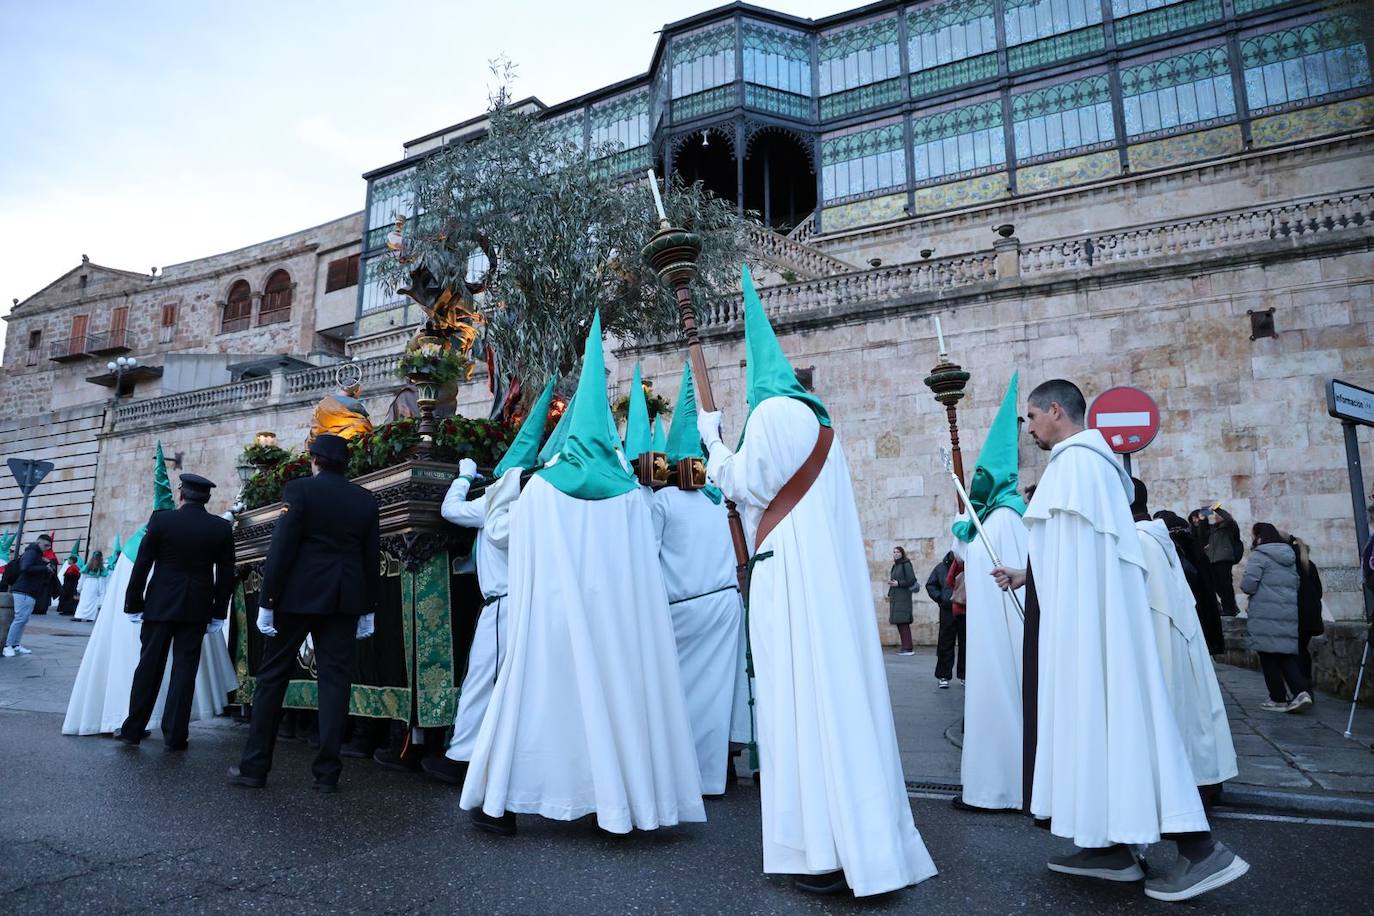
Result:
{"points": [[948, 459]]}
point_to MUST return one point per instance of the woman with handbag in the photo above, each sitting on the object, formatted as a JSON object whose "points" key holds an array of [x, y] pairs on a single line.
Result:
{"points": [[899, 583]]}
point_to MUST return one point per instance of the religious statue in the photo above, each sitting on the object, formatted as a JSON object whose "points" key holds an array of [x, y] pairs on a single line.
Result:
{"points": [[342, 413]]}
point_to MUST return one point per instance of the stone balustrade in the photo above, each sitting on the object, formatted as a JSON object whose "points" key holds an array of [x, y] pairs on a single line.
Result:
{"points": [[1218, 230], [789, 254], [803, 231], [276, 388]]}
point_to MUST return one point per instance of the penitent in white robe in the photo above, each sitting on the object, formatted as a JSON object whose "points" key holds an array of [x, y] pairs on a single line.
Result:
{"points": [[587, 715], [490, 513], [991, 760], [698, 562], [99, 701], [92, 589], [1110, 766], [1188, 673], [833, 794]]}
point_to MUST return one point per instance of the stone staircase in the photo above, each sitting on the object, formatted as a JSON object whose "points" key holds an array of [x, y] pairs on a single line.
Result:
{"points": [[792, 259]]}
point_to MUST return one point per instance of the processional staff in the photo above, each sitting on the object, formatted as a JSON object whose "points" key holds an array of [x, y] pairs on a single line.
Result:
{"points": [[673, 254]]}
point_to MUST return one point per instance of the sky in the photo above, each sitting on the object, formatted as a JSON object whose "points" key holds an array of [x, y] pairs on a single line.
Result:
{"points": [[149, 133]]}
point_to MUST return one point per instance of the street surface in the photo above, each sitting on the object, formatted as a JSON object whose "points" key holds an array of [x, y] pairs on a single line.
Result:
{"points": [[91, 826]]}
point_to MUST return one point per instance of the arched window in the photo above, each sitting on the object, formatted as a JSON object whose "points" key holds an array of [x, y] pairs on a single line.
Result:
{"points": [[276, 299], [238, 308]]}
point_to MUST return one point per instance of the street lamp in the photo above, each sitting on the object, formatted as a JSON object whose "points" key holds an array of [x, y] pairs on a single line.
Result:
{"points": [[245, 472], [120, 366]]}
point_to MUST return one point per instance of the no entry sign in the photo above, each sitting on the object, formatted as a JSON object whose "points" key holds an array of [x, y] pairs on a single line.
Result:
{"points": [[1128, 419]]}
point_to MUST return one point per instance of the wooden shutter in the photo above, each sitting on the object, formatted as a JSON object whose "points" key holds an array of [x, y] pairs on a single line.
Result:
{"points": [[77, 343]]}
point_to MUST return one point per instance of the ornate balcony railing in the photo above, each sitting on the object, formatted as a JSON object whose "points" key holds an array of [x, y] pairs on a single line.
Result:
{"points": [[789, 254], [62, 351], [115, 340]]}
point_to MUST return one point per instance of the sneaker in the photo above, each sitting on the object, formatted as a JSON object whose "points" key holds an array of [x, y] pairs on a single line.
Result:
{"points": [[1300, 702], [9, 652], [907, 652], [944, 683], [20, 650], [961, 682], [1186, 880], [1114, 863], [1271, 706]]}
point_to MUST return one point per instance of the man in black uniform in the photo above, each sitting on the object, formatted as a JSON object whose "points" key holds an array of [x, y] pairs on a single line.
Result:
{"points": [[322, 578], [191, 556]]}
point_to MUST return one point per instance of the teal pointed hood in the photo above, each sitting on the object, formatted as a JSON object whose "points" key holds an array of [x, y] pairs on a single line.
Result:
{"points": [[638, 435], [162, 499], [996, 476], [683, 439], [524, 451], [660, 438], [589, 464], [768, 374]]}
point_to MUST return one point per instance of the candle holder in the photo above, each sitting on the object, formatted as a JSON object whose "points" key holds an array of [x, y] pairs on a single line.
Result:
{"points": [[947, 381]]}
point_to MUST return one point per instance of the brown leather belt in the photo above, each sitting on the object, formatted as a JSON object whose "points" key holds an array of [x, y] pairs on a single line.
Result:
{"points": [[793, 491]]}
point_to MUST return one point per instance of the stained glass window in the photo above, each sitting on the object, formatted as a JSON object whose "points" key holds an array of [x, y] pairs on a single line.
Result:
{"points": [[392, 196], [1061, 117], [1307, 62], [959, 140], [777, 57], [622, 122], [948, 32], [863, 162], [1027, 20], [1174, 17], [1122, 8], [1166, 94], [703, 59], [859, 55]]}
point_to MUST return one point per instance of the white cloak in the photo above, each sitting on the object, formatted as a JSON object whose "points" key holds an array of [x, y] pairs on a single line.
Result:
{"points": [[1110, 766], [1188, 673], [99, 701], [490, 514], [991, 760], [833, 793], [92, 589], [698, 562], [587, 714]]}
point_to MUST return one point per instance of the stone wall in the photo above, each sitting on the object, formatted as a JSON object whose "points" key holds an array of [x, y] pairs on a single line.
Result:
{"points": [[62, 502], [1244, 421]]}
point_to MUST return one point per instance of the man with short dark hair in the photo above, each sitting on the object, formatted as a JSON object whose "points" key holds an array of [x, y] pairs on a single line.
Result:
{"points": [[31, 589], [190, 554], [322, 579], [1108, 765]]}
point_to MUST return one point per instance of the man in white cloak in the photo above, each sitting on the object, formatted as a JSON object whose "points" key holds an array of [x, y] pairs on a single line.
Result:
{"points": [[835, 808], [489, 513], [1189, 676], [1109, 767], [990, 763], [587, 716], [698, 561]]}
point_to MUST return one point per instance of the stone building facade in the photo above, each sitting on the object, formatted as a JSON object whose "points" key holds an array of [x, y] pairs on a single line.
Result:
{"points": [[191, 326]]}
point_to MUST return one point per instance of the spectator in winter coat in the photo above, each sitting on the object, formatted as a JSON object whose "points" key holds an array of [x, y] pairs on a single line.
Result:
{"points": [[942, 593], [32, 588], [899, 583], [1224, 551], [1198, 572], [1271, 581]]}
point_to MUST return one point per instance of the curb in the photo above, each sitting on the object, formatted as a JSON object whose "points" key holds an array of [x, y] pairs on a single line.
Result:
{"points": [[1277, 800]]}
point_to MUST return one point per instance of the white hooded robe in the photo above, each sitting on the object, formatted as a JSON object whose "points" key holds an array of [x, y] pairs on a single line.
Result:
{"points": [[1198, 707], [833, 794], [587, 715], [1110, 766]]}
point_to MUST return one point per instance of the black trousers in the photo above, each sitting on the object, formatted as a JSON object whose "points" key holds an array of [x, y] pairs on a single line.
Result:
{"points": [[1226, 589], [1282, 675], [1305, 658], [333, 636], [951, 632], [183, 640]]}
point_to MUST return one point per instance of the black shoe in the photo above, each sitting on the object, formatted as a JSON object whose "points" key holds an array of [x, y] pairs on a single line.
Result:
{"points": [[441, 769], [127, 739], [327, 788], [829, 883], [238, 778], [397, 762], [173, 748], [358, 750], [501, 826], [959, 804]]}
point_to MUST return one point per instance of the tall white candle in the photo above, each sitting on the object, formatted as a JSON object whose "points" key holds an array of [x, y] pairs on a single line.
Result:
{"points": [[940, 336], [658, 201]]}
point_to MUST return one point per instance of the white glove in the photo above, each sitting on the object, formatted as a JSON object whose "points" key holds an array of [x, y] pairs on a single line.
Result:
{"points": [[467, 468], [708, 427], [135, 618], [214, 627], [366, 626], [265, 622]]}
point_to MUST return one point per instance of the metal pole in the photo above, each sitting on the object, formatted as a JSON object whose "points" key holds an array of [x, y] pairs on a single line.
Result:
{"points": [[1359, 681], [1357, 501], [23, 510], [1126, 461]]}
